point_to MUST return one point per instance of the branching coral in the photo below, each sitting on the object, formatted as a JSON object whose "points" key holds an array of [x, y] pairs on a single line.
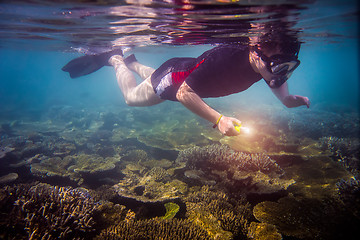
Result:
{"points": [[344, 150], [349, 194], [154, 229], [252, 173], [221, 157], [48, 212]]}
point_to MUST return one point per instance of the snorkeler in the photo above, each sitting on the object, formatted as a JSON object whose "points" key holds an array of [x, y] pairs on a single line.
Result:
{"points": [[218, 72]]}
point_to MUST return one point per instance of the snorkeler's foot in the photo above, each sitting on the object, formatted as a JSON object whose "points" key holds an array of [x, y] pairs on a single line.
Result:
{"points": [[130, 59], [116, 60], [105, 57], [90, 63]]}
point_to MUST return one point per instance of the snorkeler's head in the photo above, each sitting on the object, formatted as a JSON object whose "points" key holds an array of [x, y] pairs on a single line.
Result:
{"points": [[279, 53], [284, 43]]}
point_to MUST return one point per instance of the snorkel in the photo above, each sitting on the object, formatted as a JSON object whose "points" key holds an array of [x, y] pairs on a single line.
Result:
{"points": [[280, 67]]}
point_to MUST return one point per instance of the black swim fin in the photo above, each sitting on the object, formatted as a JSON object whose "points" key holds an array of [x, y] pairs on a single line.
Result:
{"points": [[85, 65]]}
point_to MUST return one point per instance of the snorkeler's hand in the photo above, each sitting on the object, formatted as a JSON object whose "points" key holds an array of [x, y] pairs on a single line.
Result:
{"points": [[226, 126], [295, 101]]}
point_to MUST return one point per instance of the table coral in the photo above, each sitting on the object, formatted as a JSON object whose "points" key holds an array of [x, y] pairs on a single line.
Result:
{"points": [[5, 150], [73, 167], [220, 216]]}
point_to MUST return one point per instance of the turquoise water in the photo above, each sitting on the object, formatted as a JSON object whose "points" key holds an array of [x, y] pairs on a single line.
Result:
{"points": [[79, 134], [31, 79]]}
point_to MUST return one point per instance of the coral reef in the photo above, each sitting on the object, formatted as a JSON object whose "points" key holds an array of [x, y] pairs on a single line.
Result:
{"points": [[218, 164], [170, 132], [263, 231], [74, 167], [154, 229], [149, 195], [349, 194], [48, 212], [307, 218], [148, 180], [89, 164], [5, 150], [220, 157], [147, 189], [8, 178], [318, 123], [344, 150], [215, 212]]}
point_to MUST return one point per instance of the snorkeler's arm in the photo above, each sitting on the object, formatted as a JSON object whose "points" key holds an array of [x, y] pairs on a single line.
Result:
{"points": [[194, 103], [290, 101]]}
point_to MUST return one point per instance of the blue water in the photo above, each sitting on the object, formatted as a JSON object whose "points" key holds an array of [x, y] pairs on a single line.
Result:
{"points": [[33, 80], [31, 76]]}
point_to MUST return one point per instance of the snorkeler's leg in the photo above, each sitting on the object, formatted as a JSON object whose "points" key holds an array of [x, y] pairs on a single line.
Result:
{"points": [[135, 95], [143, 71]]}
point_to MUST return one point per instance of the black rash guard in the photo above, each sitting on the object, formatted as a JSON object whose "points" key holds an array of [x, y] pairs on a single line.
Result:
{"points": [[218, 72]]}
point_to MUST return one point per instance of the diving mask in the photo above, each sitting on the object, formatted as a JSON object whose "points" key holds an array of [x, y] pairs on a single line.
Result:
{"points": [[280, 67]]}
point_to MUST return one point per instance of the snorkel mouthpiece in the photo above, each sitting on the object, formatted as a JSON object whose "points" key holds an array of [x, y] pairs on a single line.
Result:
{"points": [[276, 82]]}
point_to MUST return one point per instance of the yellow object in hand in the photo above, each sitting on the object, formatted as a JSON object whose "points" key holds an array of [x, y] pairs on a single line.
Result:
{"points": [[237, 126]]}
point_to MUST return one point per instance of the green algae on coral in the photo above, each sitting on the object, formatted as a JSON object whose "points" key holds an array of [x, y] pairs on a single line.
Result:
{"points": [[171, 210]]}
